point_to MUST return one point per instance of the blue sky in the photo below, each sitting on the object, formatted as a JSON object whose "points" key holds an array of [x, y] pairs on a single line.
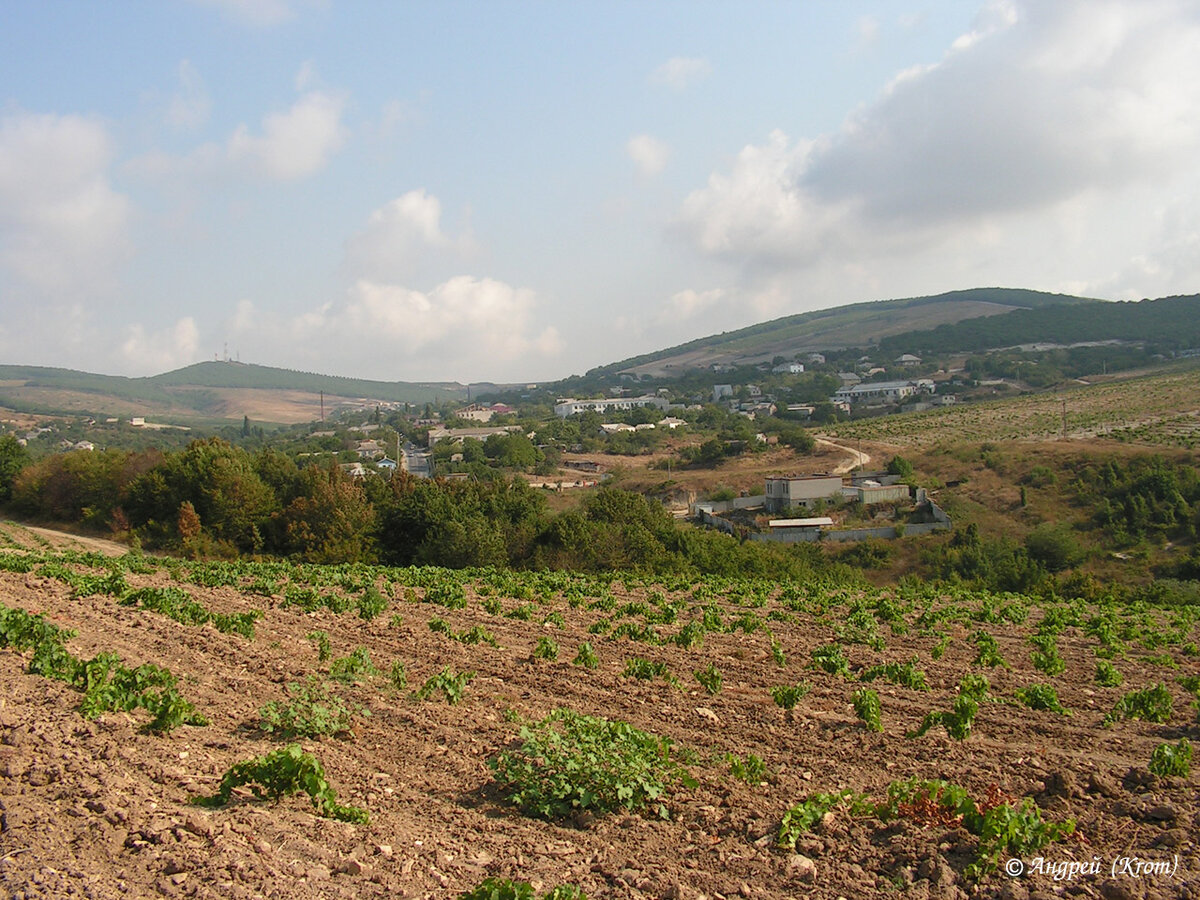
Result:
{"points": [[519, 191]]}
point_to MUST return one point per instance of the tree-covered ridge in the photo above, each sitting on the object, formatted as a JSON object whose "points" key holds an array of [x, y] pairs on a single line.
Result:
{"points": [[177, 389], [1170, 324], [872, 316]]}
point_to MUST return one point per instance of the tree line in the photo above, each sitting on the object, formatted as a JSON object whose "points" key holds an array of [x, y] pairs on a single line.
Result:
{"points": [[216, 499]]}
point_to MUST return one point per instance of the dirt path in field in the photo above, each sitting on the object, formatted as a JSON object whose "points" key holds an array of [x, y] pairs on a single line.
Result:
{"points": [[98, 808], [858, 459]]}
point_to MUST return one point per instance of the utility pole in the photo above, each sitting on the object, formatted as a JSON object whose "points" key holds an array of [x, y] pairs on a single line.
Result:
{"points": [[322, 407], [1064, 417]]}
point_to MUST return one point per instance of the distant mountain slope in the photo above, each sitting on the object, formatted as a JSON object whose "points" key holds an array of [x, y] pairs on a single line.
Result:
{"points": [[208, 390], [856, 325], [1169, 323]]}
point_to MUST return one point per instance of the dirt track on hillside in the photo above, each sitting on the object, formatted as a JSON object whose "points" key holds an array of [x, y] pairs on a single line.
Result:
{"points": [[99, 809]]}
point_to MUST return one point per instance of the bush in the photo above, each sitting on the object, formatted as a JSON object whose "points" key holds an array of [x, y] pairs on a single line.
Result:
{"points": [[569, 762], [311, 711], [288, 770], [1172, 759]]}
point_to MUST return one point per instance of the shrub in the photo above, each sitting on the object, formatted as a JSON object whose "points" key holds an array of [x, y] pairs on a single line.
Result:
{"points": [[450, 684], [546, 649], [586, 656], [311, 711], [904, 674], [569, 762], [1107, 674], [832, 659], [1172, 759], [505, 889], [867, 708], [1041, 696], [751, 770], [1152, 704], [788, 695], [356, 665], [288, 770], [709, 678]]}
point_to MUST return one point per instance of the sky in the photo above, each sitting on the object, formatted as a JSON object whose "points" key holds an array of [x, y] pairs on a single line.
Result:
{"points": [[521, 190]]}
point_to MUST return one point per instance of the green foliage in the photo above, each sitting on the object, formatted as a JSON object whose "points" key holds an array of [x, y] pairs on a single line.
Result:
{"points": [[709, 678], [1054, 546], [569, 762], [904, 674], [867, 708], [788, 695], [506, 889], [751, 770], [959, 721], [1045, 656], [1041, 696], [647, 670], [586, 656], [356, 665], [802, 817], [321, 639], [449, 683], [777, 654], [1172, 759], [281, 773], [1152, 704], [372, 603], [1015, 829], [175, 603], [312, 710], [107, 684], [832, 658], [13, 458], [1107, 675], [988, 651], [398, 676], [546, 649]]}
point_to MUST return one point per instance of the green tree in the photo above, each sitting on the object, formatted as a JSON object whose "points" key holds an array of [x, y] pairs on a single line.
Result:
{"points": [[13, 458]]}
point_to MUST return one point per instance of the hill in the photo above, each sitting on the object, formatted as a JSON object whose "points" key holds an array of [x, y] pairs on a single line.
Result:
{"points": [[205, 392], [1171, 324], [856, 325]]}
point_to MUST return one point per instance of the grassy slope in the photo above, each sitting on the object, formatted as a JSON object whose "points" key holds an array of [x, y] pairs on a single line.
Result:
{"points": [[858, 324], [211, 391]]}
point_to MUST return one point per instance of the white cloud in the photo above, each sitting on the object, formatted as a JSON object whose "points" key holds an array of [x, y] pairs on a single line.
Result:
{"points": [[866, 31], [293, 144], [681, 72], [161, 351], [289, 145], [1038, 105], [62, 224], [688, 303], [464, 327], [648, 153], [190, 106], [257, 13], [403, 240]]}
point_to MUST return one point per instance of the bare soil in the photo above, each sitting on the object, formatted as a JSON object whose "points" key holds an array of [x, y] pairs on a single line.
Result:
{"points": [[101, 809]]}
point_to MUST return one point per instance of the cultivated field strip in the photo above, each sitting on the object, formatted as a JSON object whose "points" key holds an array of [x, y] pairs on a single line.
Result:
{"points": [[102, 802]]}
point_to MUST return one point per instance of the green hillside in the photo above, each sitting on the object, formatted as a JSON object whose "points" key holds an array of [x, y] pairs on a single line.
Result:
{"points": [[1169, 324], [856, 325], [208, 391], [244, 375]]}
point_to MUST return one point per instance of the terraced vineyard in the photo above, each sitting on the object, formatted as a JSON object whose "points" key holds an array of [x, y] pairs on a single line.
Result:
{"points": [[631, 738], [1161, 410]]}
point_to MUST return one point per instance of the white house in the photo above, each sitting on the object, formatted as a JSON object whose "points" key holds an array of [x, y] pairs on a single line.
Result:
{"points": [[792, 368], [569, 406], [783, 491], [876, 392]]}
